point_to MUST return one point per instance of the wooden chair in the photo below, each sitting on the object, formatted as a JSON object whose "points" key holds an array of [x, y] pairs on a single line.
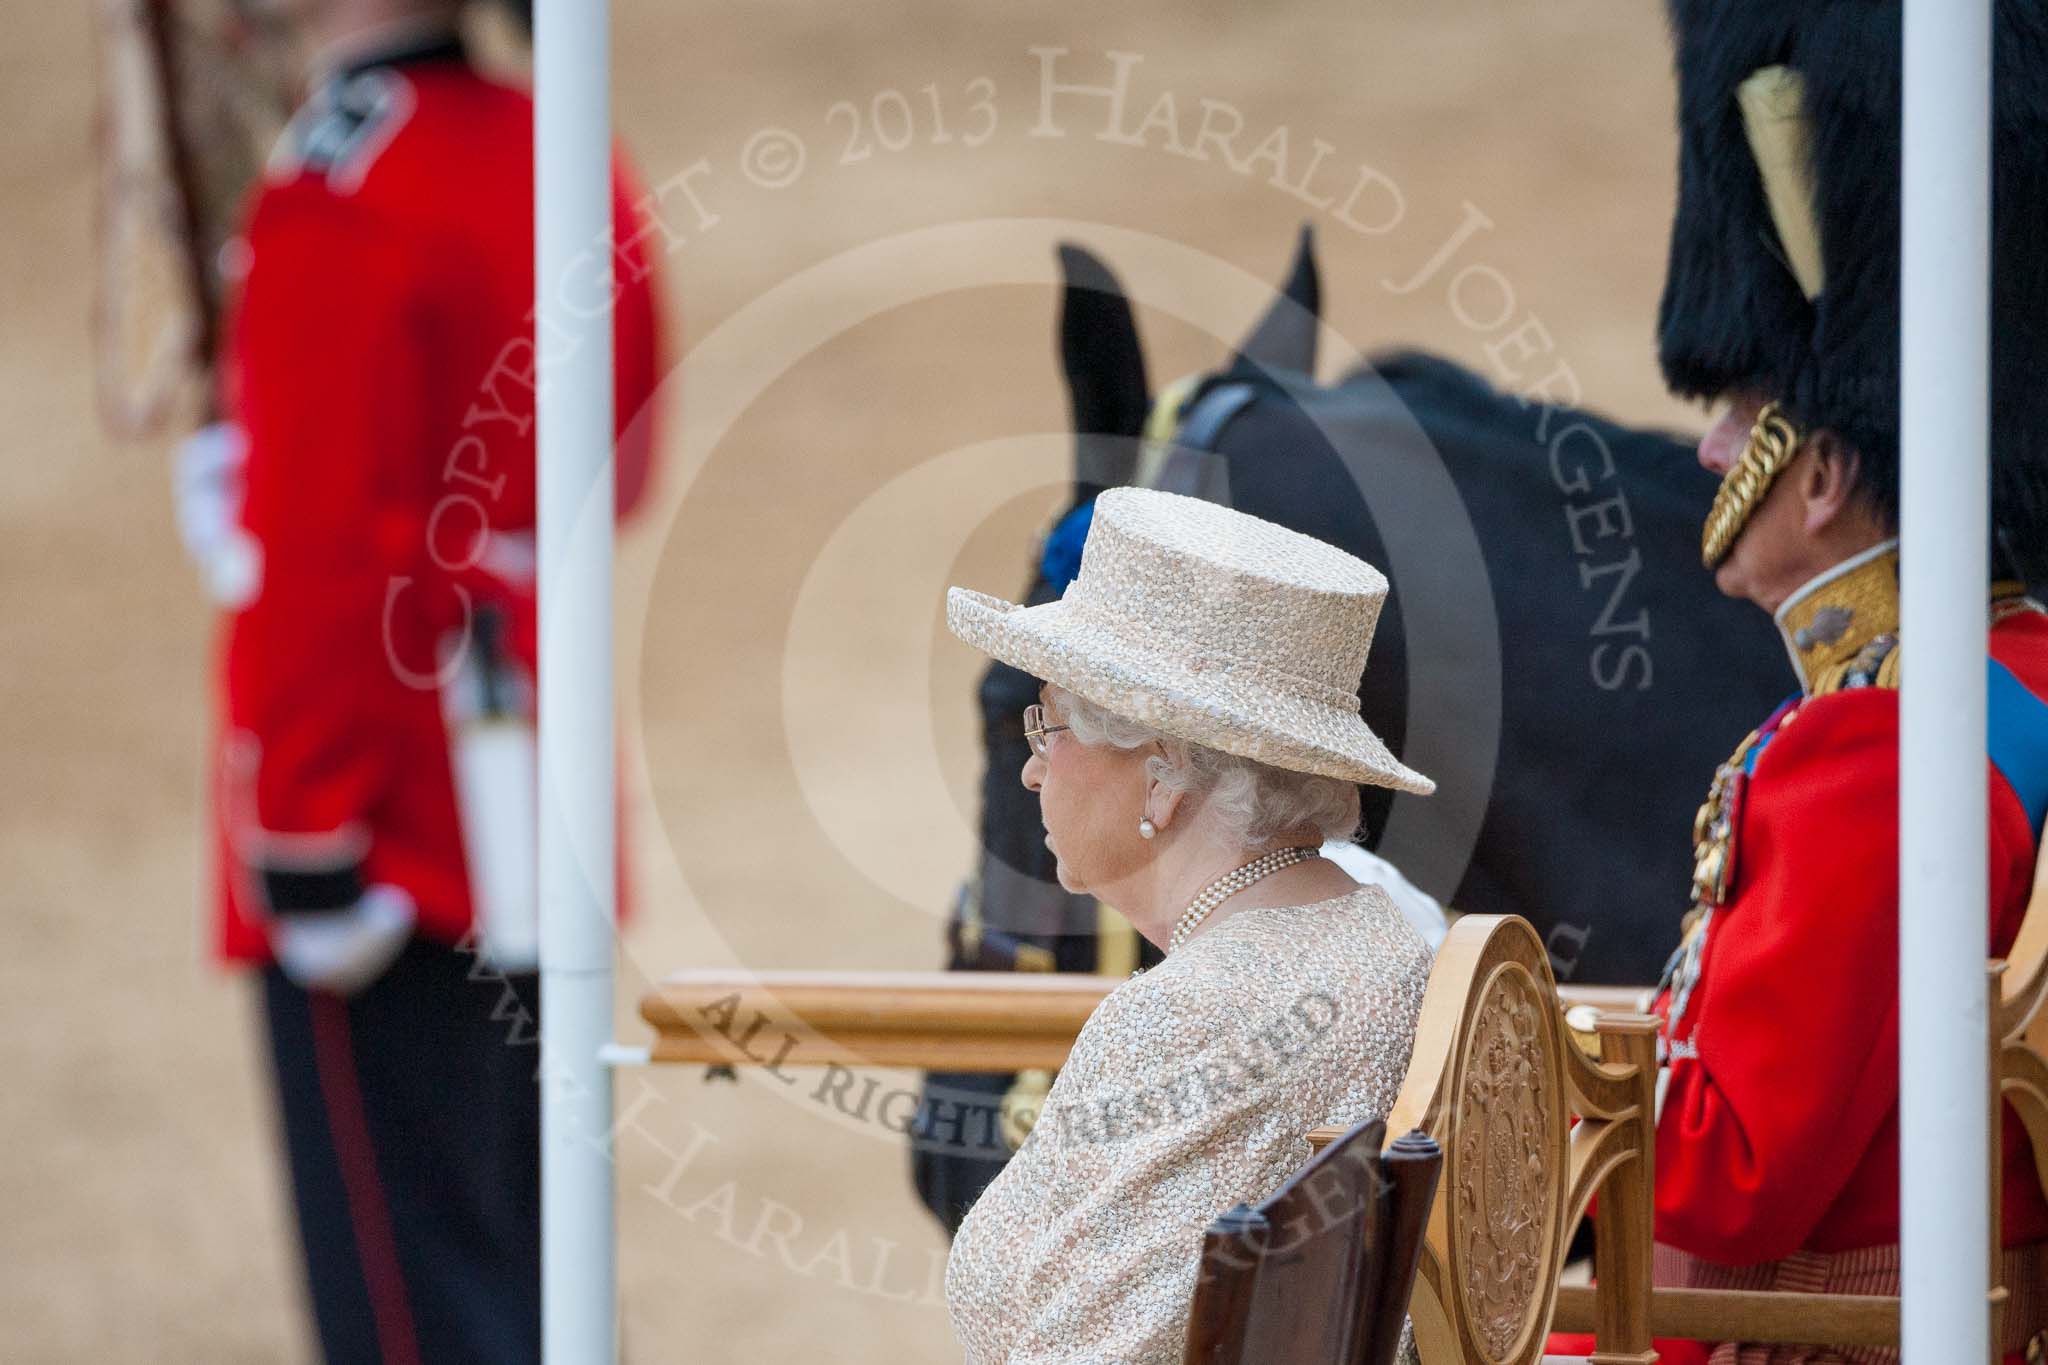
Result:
{"points": [[1494, 1079], [1319, 1273], [2019, 1042]]}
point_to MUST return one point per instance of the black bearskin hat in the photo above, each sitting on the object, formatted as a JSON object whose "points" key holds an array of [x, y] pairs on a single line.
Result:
{"points": [[1735, 317]]}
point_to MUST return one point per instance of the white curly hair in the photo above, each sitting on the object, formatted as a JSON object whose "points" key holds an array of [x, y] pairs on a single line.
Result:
{"points": [[1250, 801]]}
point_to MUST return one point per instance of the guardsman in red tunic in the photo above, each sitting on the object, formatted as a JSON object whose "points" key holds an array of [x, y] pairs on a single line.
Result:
{"points": [[1778, 1135], [375, 787]]}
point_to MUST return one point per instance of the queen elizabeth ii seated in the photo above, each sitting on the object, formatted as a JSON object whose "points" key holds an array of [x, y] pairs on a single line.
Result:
{"points": [[1197, 739]]}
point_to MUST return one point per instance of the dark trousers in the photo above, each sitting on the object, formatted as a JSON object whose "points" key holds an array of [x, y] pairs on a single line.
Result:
{"points": [[412, 1128]]}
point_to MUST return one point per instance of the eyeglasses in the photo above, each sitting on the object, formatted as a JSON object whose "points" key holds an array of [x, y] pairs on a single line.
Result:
{"points": [[1035, 728]]}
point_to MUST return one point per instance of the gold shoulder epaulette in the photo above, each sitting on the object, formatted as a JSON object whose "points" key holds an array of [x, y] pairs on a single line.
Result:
{"points": [[1877, 663], [1874, 665]]}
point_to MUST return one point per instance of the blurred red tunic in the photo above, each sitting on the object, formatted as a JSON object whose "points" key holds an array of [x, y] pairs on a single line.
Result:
{"points": [[380, 358]]}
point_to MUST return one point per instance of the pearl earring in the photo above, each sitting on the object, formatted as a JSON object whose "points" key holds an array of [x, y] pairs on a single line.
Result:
{"points": [[1147, 829]]}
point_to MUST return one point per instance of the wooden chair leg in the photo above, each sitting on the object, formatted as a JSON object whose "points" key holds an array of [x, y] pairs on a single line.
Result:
{"points": [[1622, 1223], [1436, 1341]]}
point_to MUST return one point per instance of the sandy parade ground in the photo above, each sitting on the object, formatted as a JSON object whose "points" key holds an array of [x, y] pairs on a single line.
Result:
{"points": [[860, 205]]}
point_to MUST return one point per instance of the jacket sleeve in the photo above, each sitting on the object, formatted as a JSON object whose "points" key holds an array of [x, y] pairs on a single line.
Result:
{"points": [[1795, 1019], [330, 362]]}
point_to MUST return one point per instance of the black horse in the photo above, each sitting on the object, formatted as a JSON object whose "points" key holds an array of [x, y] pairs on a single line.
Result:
{"points": [[1552, 651]]}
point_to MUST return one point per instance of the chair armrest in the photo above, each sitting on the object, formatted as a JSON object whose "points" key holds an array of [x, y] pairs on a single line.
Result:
{"points": [[1608, 999], [945, 1021]]}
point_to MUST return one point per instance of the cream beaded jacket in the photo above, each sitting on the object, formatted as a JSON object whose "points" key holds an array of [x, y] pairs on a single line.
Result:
{"points": [[1192, 1088]]}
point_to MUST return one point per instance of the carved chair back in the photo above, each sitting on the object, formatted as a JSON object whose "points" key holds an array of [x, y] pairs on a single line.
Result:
{"points": [[1495, 1080], [1320, 1272]]}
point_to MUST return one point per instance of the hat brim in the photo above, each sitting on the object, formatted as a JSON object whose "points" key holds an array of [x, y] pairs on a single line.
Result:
{"points": [[1210, 706]]}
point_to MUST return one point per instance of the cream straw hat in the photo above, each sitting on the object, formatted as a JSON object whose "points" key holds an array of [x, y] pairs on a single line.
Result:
{"points": [[1210, 626]]}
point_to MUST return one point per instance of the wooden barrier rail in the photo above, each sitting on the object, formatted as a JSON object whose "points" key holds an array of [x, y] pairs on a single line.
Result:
{"points": [[938, 1021]]}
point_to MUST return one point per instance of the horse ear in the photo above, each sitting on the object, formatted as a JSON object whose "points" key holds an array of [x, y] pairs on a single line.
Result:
{"points": [[1099, 349], [1285, 338]]}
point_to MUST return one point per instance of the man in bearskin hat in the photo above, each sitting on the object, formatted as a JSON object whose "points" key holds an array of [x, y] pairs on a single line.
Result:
{"points": [[374, 556], [1778, 1136]]}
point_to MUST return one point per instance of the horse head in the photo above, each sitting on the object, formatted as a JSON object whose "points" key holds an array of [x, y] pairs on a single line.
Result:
{"points": [[1551, 651]]}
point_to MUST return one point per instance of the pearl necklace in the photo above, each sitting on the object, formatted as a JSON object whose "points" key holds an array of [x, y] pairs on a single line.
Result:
{"points": [[1229, 884]]}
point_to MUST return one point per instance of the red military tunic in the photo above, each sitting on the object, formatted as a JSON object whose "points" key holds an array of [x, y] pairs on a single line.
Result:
{"points": [[380, 359], [1779, 1124]]}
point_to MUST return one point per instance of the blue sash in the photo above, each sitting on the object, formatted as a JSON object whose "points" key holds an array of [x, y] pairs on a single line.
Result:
{"points": [[2019, 741]]}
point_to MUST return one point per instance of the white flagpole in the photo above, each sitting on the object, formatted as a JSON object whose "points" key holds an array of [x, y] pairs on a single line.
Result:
{"points": [[573, 334], [1944, 929]]}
